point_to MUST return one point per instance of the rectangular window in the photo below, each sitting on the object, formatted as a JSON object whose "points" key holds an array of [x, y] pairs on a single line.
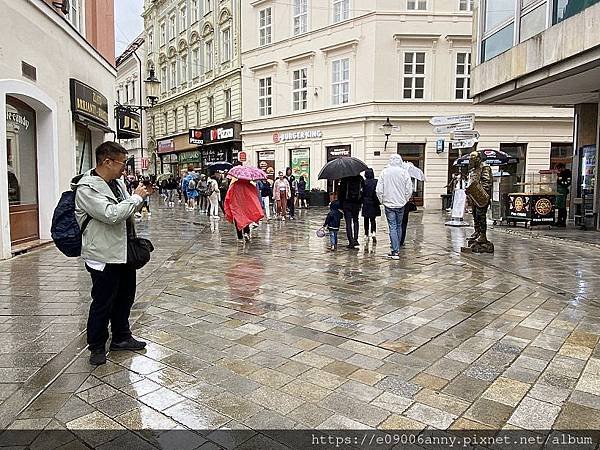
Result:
{"points": [[208, 6], [127, 93], [163, 34], [341, 10], [498, 11], [75, 15], [133, 91], [340, 81], [227, 95], [165, 122], [184, 68], [300, 16], [517, 151], [226, 41], [195, 62], [211, 109], [182, 19], [300, 90], [118, 96], [194, 7], [185, 118], [533, 22], [175, 121], [264, 26], [150, 48], [173, 83], [414, 75], [198, 115], [209, 56], [265, 96], [498, 42], [463, 76], [416, 5], [465, 5], [163, 77], [415, 154], [172, 27]]}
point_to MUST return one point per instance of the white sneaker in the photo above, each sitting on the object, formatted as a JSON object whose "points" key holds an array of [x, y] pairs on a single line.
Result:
{"points": [[246, 237], [149, 214]]}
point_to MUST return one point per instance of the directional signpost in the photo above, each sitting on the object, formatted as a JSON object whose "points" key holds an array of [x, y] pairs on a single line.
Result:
{"points": [[448, 120], [463, 143], [453, 127], [459, 135]]}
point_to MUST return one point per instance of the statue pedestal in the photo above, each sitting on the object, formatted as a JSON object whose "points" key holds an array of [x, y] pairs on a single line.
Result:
{"points": [[483, 247]]}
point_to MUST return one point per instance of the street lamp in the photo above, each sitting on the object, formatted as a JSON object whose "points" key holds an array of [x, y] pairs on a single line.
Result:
{"points": [[152, 88], [387, 130]]}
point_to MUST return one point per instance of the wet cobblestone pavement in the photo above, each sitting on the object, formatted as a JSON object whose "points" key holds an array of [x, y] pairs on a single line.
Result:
{"points": [[281, 333]]}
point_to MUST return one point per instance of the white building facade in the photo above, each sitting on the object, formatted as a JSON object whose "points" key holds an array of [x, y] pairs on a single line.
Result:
{"points": [[320, 78], [56, 93], [130, 92], [194, 46]]}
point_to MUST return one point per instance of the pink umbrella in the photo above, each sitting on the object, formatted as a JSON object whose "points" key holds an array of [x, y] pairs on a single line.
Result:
{"points": [[247, 173]]}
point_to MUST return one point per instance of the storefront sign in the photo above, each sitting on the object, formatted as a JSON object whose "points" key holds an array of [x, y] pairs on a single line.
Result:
{"points": [[219, 134], [297, 136], [338, 152], [535, 208], [196, 137], [166, 146], [128, 124], [301, 164], [88, 102], [189, 157], [144, 163], [266, 162], [210, 155], [18, 119]]}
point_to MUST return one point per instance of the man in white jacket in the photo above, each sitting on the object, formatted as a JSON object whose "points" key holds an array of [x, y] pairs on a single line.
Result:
{"points": [[394, 190]]}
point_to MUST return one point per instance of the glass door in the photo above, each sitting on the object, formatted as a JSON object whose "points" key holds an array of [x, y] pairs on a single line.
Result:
{"points": [[21, 158]]}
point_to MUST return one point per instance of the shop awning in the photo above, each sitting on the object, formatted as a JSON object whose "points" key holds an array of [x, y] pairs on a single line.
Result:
{"points": [[90, 123]]}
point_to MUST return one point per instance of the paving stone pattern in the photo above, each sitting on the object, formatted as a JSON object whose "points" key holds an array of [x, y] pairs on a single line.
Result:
{"points": [[281, 333]]}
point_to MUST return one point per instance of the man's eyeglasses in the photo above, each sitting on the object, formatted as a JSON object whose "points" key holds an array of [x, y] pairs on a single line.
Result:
{"points": [[123, 163]]}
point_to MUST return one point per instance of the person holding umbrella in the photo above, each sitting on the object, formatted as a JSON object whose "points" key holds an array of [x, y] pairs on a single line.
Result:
{"points": [[350, 196], [347, 169], [241, 204]]}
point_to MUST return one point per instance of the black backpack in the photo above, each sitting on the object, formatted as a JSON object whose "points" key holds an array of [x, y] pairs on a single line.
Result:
{"points": [[65, 230]]}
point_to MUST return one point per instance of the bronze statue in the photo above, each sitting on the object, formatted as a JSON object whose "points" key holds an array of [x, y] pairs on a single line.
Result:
{"points": [[479, 192]]}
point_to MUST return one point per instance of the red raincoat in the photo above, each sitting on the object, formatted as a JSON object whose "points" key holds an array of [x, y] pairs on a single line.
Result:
{"points": [[241, 204]]}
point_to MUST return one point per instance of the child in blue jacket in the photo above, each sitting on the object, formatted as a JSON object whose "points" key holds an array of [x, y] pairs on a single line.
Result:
{"points": [[332, 222]]}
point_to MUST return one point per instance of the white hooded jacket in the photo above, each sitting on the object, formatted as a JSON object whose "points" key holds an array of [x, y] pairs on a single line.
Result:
{"points": [[394, 188]]}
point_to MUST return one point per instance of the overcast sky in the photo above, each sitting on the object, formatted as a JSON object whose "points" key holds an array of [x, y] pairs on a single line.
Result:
{"points": [[128, 22]]}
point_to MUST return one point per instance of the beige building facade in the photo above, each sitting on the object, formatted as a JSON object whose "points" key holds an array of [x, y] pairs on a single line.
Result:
{"points": [[320, 79], [56, 103], [194, 47]]}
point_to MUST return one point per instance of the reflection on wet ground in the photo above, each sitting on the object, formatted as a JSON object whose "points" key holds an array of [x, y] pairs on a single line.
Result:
{"points": [[282, 333]]}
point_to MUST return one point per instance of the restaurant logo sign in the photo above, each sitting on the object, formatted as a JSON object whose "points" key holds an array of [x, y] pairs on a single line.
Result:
{"points": [[88, 102], [128, 124], [18, 119], [297, 136], [218, 134], [166, 146], [196, 137]]}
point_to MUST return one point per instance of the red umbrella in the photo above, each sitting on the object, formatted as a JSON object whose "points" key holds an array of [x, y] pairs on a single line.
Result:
{"points": [[247, 173]]}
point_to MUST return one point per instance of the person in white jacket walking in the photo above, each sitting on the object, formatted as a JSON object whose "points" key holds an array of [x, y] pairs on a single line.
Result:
{"points": [[394, 190]]}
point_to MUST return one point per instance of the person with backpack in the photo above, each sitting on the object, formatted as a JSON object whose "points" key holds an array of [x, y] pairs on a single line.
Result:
{"points": [[104, 211], [202, 197], [350, 197], [190, 186], [302, 193], [291, 201]]}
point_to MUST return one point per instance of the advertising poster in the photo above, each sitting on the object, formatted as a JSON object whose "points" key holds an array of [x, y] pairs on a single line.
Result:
{"points": [[266, 162], [301, 165]]}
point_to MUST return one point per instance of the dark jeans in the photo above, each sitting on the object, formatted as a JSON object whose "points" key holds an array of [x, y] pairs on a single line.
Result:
{"points": [[351, 211], [290, 205], [113, 292], [370, 221], [333, 237], [404, 225], [562, 217]]}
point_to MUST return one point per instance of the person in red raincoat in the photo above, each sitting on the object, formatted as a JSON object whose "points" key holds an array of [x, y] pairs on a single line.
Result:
{"points": [[242, 207]]}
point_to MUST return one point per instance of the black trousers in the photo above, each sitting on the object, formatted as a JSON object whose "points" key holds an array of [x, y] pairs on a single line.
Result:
{"points": [[290, 205], [370, 221], [404, 225], [351, 211], [562, 217], [113, 292]]}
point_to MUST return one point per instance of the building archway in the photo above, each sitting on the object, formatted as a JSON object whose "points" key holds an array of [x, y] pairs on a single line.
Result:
{"points": [[25, 101]]}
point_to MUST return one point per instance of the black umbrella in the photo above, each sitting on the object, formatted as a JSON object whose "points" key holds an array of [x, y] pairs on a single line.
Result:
{"points": [[346, 166], [219, 165], [490, 157]]}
